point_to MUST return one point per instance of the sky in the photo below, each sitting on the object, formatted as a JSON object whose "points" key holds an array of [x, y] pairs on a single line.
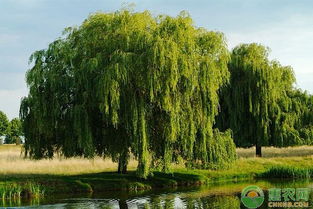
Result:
{"points": [[286, 26]]}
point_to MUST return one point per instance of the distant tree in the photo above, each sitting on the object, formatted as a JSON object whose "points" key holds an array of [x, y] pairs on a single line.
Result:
{"points": [[4, 122], [126, 83], [14, 132], [251, 104], [8, 140]]}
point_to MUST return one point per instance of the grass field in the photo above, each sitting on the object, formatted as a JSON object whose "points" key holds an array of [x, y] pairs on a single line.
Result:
{"points": [[13, 162], [83, 175], [270, 152]]}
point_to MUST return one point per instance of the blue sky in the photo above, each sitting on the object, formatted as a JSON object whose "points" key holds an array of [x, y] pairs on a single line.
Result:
{"points": [[286, 26]]}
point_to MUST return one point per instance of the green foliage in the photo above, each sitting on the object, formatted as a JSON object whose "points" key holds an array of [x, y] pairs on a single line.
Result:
{"points": [[221, 151], [128, 82], [260, 105], [14, 132], [10, 191], [9, 140], [287, 172], [252, 103], [17, 191], [3, 123], [294, 125]]}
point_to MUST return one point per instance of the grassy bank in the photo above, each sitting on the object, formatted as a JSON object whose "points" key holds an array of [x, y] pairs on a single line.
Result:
{"points": [[81, 175], [248, 168]]}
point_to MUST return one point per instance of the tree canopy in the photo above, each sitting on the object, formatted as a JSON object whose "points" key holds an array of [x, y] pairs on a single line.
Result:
{"points": [[14, 132], [294, 124], [4, 122], [127, 82], [260, 104]]}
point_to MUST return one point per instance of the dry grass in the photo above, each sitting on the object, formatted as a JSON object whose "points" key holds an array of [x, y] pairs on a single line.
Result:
{"points": [[12, 162], [270, 152]]}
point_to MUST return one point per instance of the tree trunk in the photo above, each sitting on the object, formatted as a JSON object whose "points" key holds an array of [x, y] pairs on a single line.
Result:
{"points": [[258, 150], [122, 162]]}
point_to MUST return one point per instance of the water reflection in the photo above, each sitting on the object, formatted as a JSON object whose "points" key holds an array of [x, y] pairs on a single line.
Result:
{"points": [[157, 202], [219, 196]]}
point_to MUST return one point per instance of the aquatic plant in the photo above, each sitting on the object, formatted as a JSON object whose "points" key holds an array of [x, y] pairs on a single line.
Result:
{"points": [[16, 191]]}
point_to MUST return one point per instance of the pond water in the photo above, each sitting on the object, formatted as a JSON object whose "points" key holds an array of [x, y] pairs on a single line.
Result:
{"points": [[215, 196]]}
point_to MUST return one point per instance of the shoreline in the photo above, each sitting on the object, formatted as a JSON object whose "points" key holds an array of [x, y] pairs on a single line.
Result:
{"points": [[94, 183], [82, 176]]}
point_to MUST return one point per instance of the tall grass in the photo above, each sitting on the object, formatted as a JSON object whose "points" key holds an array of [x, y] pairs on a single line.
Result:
{"points": [[287, 172], [271, 152], [275, 160], [12, 191], [12, 162], [31, 189], [16, 191]]}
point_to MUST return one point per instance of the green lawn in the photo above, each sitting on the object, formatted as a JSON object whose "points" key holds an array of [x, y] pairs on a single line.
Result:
{"points": [[99, 175]]}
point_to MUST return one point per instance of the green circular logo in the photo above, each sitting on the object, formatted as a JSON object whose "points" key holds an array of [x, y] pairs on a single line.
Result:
{"points": [[252, 196]]}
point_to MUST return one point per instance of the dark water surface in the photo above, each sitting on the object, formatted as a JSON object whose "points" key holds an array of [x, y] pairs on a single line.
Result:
{"points": [[214, 196]]}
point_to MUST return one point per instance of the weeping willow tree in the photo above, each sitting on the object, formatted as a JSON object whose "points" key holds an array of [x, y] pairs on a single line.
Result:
{"points": [[305, 124], [294, 123], [252, 103], [128, 82]]}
